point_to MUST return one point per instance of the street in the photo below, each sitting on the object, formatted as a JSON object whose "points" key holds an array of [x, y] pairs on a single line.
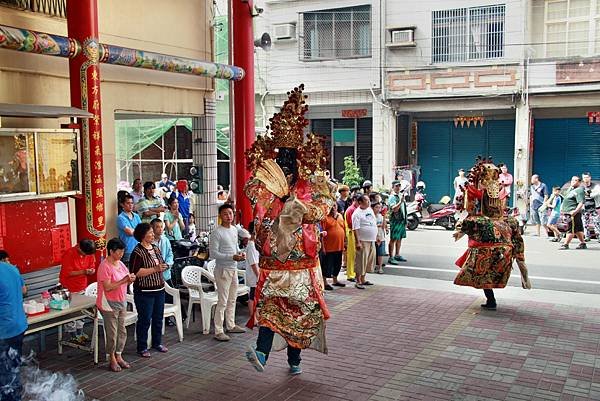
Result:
{"points": [[431, 252]]}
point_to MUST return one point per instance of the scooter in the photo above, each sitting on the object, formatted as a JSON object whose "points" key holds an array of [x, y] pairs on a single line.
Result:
{"points": [[435, 214], [520, 217]]}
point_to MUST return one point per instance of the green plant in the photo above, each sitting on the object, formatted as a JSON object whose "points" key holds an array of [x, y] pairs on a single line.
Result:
{"points": [[351, 173]]}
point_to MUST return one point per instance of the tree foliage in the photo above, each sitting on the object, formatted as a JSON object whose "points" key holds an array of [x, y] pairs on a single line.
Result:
{"points": [[351, 173]]}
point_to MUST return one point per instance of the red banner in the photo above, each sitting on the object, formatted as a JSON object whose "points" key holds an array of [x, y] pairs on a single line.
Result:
{"points": [[355, 113]]}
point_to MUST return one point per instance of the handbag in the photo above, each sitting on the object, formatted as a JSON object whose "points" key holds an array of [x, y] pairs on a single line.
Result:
{"points": [[564, 222]]}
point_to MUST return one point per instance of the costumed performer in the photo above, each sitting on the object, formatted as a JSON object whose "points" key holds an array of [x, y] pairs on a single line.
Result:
{"points": [[494, 238], [289, 193]]}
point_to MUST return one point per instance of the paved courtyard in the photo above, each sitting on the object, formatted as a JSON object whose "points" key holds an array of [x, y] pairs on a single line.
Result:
{"points": [[385, 343]]}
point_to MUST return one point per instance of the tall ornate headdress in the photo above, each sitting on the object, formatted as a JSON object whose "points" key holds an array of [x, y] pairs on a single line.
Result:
{"points": [[287, 131], [484, 184]]}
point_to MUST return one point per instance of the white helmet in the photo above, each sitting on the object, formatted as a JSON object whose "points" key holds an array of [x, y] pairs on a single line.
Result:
{"points": [[421, 185]]}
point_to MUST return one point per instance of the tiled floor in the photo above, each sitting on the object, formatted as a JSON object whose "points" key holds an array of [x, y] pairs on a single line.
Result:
{"points": [[385, 343]]}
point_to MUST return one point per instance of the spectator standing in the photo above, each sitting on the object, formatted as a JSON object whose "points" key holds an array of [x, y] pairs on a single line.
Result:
{"points": [[591, 206], [192, 234], [398, 214], [380, 241], [137, 192], [252, 266], [333, 247], [184, 201], [367, 187], [343, 201], [120, 198], [506, 181], [150, 206], [113, 279], [364, 226], [12, 328], [538, 196], [554, 204], [350, 241], [573, 206], [148, 266], [223, 247], [164, 245], [126, 223], [174, 222], [459, 181]]}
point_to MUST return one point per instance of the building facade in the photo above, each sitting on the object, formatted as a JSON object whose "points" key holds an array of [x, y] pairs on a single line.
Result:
{"points": [[333, 48], [184, 103], [514, 80]]}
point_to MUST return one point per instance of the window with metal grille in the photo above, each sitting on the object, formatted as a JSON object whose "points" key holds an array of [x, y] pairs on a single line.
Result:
{"points": [[464, 34], [335, 34], [55, 8], [572, 28]]}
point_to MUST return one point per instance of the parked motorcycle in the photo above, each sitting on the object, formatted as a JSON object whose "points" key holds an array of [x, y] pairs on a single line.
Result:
{"points": [[520, 217], [433, 214]]}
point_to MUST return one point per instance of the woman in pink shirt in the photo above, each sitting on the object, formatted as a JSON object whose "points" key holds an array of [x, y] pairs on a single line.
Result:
{"points": [[113, 279]]}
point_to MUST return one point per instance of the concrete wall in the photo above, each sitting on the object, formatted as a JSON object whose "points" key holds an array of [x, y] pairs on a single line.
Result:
{"points": [[404, 13], [281, 68], [177, 27]]}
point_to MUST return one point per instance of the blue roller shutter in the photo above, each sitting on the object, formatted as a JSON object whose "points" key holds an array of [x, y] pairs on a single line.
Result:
{"points": [[501, 142], [434, 153], [444, 148], [467, 144], [565, 147]]}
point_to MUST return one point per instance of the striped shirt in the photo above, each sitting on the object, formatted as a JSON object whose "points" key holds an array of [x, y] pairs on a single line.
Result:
{"points": [[142, 258]]}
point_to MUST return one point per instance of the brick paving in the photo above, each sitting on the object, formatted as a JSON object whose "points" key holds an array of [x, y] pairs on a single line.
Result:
{"points": [[385, 343]]}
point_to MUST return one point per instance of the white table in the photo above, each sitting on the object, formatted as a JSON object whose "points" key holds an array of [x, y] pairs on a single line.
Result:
{"points": [[81, 307]]}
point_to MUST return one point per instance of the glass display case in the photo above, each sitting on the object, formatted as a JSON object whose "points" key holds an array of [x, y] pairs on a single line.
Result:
{"points": [[36, 163]]}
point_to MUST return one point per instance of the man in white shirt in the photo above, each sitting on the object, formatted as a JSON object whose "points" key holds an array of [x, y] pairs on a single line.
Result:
{"points": [[223, 247], [364, 226]]}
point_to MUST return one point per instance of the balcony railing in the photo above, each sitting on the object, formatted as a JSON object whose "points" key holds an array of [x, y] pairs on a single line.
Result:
{"points": [[55, 8]]}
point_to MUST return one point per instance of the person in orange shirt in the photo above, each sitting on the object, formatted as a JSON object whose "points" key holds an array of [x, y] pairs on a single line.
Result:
{"points": [[333, 247], [78, 263]]}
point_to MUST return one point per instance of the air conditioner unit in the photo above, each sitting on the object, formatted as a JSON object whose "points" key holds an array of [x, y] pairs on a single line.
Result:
{"points": [[403, 37], [285, 31]]}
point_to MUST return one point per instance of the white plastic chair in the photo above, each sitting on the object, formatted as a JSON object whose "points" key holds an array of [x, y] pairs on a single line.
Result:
{"points": [[174, 310], [130, 316], [192, 279], [242, 289]]}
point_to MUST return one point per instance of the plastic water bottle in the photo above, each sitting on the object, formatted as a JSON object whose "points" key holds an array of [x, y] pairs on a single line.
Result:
{"points": [[46, 300]]}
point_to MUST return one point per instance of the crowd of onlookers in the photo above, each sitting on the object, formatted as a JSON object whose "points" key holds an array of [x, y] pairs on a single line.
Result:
{"points": [[563, 212], [567, 212], [141, 258], [355, 232]]}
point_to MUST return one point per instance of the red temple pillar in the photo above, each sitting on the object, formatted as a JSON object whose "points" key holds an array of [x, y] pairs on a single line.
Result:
{"points": [[243, 97], [82, 23]]}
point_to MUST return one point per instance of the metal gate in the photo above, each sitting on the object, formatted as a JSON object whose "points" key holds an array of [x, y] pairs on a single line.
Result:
{"points": [[444, 148], [564, 148]]}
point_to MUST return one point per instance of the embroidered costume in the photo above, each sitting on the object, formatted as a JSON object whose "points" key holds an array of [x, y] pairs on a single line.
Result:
{"points": [[495, 240], [290, 195]]}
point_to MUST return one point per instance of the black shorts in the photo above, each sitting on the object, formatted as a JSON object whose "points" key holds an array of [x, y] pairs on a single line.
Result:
{"points": [[251, 293], [576, 225]]}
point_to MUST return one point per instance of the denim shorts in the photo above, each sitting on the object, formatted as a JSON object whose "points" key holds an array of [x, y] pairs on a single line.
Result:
{"points": [[380, 249], [553, 218], [535, 216]]}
